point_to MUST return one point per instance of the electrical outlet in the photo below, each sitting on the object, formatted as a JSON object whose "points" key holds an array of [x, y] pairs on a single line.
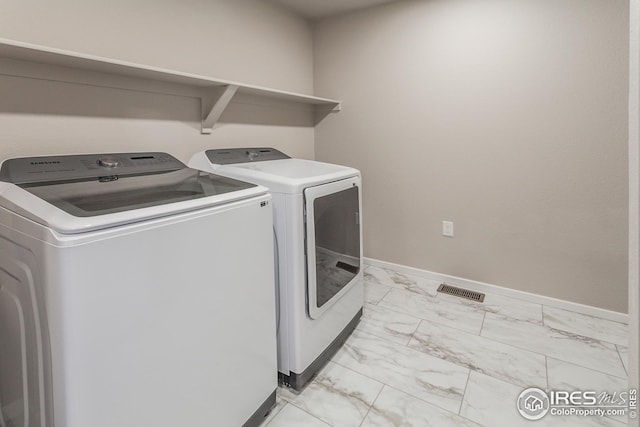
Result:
{"points": [[447, 228]]}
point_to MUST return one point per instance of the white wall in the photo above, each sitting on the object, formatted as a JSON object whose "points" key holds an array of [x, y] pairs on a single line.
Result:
{"points": [[634, 200], [249, 41], [508, 117]]}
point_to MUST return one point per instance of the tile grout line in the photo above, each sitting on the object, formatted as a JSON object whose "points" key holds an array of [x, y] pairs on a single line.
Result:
{"points": [[600, 340], [485, 311], [546, 370], [622, 361], [310, 414], [385, 294], [567, 327], [488, 339], [389, 341], [464, 393], [403, 287], [434, 405], [454, 363], [493, 340], [398, 389], [499, 342], [359, 373], [522, 299], [421, 318], [372, 403], [482, 324], [558, 358], [429, 402], [587, 315], [585, 367], [275, 415], [413, 335], [365, 281], [540, 304], [397, 309]]}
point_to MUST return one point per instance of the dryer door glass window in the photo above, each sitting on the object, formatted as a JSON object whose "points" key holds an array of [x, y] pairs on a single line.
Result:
{"points": [[337, 242]]}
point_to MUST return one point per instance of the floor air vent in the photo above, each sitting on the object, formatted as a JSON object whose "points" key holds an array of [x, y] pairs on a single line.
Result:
{"points": [[462, 293]]}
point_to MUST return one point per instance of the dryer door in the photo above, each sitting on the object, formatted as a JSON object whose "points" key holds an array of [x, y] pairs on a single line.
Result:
{"points": [[334, 240]]}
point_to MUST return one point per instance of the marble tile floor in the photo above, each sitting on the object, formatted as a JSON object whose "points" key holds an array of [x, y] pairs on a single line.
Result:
{"points": [[422, 359]]}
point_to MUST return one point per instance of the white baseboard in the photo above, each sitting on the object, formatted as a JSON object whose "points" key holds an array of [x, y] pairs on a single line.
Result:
{"points": [[499, 290]]}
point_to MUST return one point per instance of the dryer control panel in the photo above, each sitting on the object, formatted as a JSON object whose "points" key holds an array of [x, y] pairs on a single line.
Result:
{"points": [[226, 156], [28, 170]]}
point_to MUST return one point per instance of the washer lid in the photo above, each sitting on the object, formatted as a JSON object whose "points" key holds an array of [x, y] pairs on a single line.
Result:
{"points": [[284, 175], [73, 194]]}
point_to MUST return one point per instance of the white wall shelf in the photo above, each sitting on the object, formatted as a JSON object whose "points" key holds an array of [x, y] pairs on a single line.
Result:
{"points": [[72, 67]]}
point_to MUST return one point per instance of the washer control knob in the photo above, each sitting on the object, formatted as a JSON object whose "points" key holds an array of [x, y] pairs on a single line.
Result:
{"points": [[108, 162]]}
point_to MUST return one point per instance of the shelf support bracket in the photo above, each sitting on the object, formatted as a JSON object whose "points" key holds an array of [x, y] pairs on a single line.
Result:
{"points": [[322, 111], [214, 102]]}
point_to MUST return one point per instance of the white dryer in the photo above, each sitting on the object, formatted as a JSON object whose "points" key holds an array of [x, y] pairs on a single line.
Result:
{"points": [[317, 210], [125, 297]]}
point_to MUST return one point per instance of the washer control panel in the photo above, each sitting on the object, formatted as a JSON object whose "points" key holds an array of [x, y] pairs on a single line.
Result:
{"points": [[29, 170], [225, 156], [109, 162]]}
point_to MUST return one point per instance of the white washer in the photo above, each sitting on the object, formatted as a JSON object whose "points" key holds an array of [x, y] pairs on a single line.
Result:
{"points": [[134, 291], [319, 239]]}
